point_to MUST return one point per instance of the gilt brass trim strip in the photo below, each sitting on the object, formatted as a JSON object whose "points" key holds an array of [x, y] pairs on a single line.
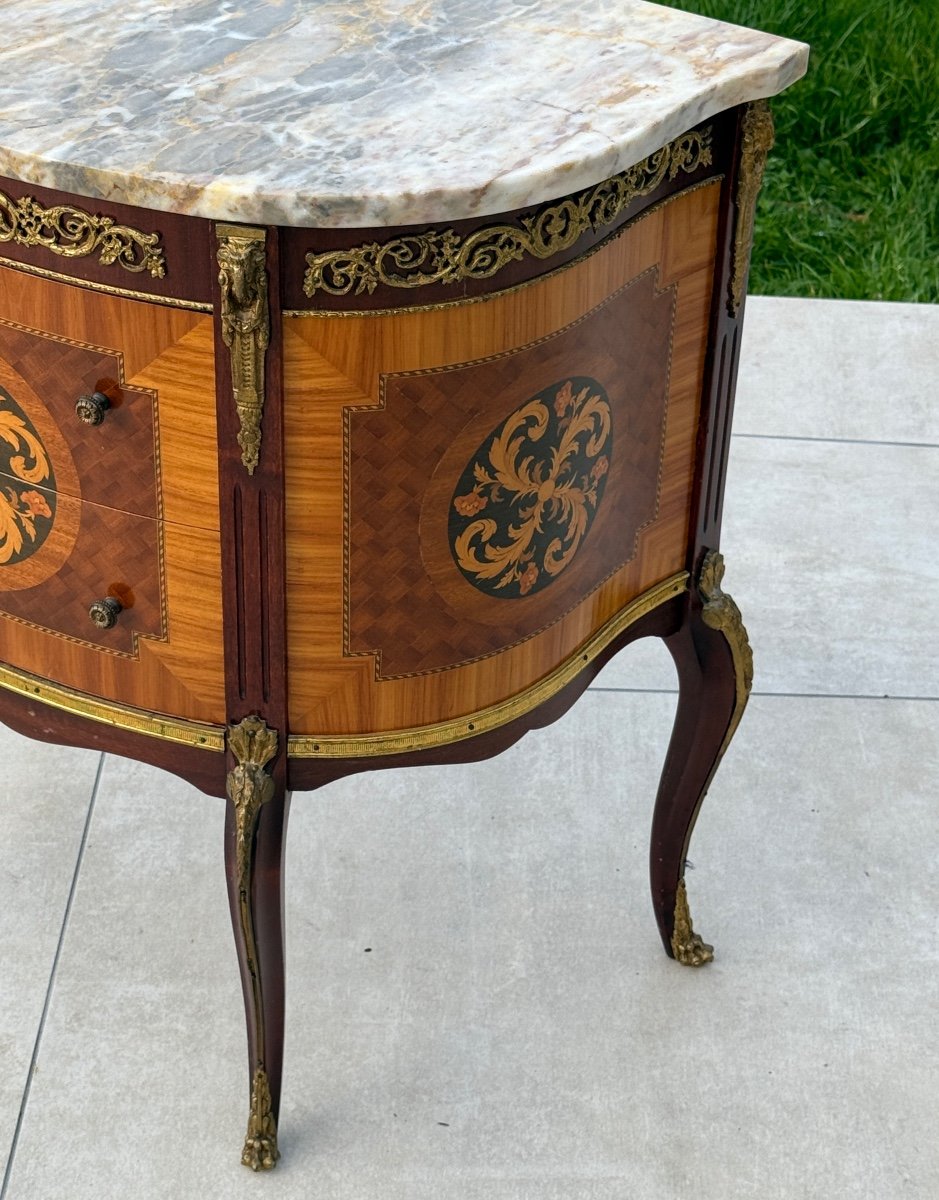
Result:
{"points": [[498, 293], [758, 138], [371, 745], [74, 233], [169, 729], [106, 288], [444, 256]]}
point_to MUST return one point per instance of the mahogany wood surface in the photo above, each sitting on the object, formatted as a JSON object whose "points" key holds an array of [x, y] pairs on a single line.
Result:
{"points": [[264, 1023], [204, 769], [706, 700], [720, 375]]}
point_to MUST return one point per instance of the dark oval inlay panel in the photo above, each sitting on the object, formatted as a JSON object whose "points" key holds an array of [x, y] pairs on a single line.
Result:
{"points": [[27, 485], [528, 496]]}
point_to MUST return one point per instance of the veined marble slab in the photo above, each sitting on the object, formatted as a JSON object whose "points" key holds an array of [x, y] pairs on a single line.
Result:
{"points": [[359, 112]]}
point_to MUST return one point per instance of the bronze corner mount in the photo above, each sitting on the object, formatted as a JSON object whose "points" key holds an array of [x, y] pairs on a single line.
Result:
{"points": [[758, 138], [246, 327], [721, 612]]}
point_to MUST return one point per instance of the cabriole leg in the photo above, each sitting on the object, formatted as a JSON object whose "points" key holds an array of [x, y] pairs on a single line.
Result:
{"points": [[255, 825], [715, 673]]}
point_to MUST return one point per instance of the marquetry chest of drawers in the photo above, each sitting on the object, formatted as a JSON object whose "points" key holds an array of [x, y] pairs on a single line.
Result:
{"points": [[297, 482]]}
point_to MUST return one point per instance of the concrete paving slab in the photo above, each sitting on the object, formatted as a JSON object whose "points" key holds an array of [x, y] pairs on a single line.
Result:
{"points": [[850, 369], [831, 556], [478, 1002], [46, 792]]}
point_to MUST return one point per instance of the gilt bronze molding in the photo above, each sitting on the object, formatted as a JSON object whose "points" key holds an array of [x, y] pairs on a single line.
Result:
{"points": [[74, 233], [758, 138], [249, 787], [105, 712], [246, 327], [687, 946], [403, 741], [444, 256]]}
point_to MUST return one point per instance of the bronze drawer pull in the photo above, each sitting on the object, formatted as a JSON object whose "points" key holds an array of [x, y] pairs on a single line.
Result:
{"points": [[104, 613], [92, 408]]}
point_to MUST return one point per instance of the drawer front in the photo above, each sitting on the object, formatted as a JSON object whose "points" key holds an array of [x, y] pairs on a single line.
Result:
{"points": [[113, 463], [60, 557], [155, 452], [163, 653]]}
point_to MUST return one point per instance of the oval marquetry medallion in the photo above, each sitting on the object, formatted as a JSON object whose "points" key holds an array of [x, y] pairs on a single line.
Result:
{"points": [[37, 527], [27, 485], [528, 496]]}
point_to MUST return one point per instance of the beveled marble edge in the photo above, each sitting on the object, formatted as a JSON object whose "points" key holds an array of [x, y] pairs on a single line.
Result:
{"points": [[317, 113]]}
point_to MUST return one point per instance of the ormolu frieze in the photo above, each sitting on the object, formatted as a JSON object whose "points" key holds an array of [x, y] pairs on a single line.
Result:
{"points": [[528, 496], [444, 256], [74, 233]]}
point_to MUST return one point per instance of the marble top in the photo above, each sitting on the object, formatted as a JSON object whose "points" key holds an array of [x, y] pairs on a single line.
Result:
{"points": [[359, 112]]}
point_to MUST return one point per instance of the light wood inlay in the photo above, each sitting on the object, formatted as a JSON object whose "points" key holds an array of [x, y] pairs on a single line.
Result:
{"points": [[333, 364]]}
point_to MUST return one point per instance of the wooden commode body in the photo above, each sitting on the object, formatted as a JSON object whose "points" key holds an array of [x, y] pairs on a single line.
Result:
{"points": [[282, 501]]}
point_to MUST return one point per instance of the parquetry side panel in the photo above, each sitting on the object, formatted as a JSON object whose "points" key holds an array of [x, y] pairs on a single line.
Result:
{"points": [[488, 499]]}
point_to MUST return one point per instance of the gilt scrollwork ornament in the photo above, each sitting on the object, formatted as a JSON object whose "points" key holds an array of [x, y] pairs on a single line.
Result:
{"points": [[757, 141], [246, 328], [687, 946], [73, 233], [445, 257], [250, 787]]}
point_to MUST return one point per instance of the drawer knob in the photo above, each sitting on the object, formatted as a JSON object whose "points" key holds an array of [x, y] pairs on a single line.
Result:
{"points": [[91, 408], [104, 613]]}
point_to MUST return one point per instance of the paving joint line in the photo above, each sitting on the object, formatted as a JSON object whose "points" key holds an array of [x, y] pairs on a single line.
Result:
{"points": [[779, 695], [792, 437]]}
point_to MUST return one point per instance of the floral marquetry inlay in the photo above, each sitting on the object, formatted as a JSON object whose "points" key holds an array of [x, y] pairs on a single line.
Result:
{"points": [[527, 498], [27, 485]]}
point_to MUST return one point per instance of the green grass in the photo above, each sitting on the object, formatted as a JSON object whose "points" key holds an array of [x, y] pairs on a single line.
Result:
{"points": [[850, 201]]}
